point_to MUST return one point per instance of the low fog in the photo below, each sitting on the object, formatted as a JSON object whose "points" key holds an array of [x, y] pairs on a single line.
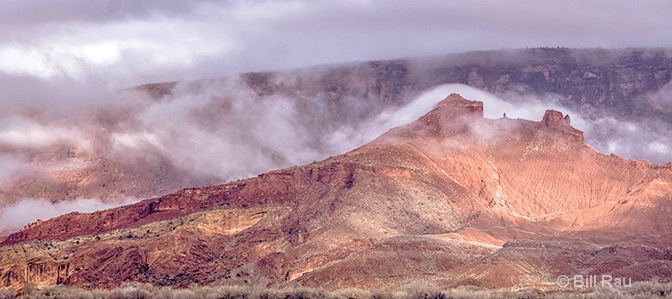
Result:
{"points": [[29, 210], [649, 139], [223, 129]]}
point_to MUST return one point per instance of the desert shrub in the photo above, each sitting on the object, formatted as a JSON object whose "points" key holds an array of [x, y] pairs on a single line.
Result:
{"points": [[9, 293], [170, 293], [224, 292], [651, 288], [430, 295], [148, 291], [477, 292], [59, 292], [353, 294], [29, 289], [133, 291], [643, 289], [301, 293], [424, 290], [386, 294]]}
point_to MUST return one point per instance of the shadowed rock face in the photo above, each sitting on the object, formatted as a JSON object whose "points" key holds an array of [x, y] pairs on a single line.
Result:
{"points": [[450, 199]]}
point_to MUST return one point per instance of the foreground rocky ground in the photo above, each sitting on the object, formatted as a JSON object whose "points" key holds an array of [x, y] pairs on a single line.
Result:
{"points": [[146, 291]]}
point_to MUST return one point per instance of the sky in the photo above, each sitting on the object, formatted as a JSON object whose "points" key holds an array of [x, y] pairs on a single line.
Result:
{"points": [[119, 43]]}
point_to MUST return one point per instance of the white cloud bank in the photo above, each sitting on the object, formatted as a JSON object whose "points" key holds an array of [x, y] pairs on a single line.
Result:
{"points": [[132, 42], [641, 139], [223, 130], [18, 215], [24, 132]]}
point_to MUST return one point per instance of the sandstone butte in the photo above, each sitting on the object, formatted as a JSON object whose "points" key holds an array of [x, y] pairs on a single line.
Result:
{"points": [[451, 199]]}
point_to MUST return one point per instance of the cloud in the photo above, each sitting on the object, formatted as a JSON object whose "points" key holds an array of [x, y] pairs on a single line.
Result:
{"points": [[223, 130], [636, 139], [515, 105], [10, 167], [351, 135], [641, 139], [661, 99], [133, 42], [23, 132], [16, 216]]}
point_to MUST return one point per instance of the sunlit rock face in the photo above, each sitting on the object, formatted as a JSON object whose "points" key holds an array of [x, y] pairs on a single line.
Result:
{"points": [[450, 199]]}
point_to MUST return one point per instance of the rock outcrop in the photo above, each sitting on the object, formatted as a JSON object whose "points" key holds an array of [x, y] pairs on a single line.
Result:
{"points": [[457, 105], [554, 118]]}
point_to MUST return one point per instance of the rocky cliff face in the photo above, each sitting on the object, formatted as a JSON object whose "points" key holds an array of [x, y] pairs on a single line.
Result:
{"points": [[450, 199], [613, 80], [586, 79]]}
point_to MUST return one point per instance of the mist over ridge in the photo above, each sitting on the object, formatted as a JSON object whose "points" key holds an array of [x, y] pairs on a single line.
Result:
{"points": [[156, 138]]}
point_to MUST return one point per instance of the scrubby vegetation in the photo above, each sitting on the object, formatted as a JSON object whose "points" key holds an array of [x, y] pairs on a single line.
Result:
{"points": [[147, 291]]}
